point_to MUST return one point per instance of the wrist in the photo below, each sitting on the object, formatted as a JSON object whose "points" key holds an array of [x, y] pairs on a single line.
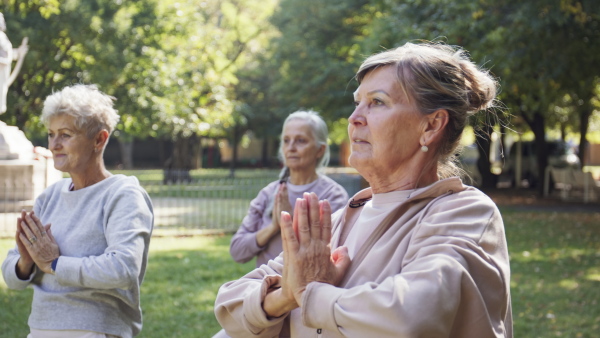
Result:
{"points": [[276, 304]]}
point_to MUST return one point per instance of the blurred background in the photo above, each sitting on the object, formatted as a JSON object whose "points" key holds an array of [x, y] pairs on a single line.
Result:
{"points": [[203, 87], [206, 84]]}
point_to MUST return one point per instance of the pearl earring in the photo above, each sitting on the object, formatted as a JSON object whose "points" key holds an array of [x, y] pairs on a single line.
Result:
{"points": [[424, 149]]}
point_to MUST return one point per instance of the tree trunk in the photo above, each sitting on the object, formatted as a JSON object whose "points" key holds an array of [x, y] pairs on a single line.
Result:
{"points": [[234, 144], [584, 121], [265, 153], [484, 142], [126, 147], [196, 144], [178, 166], [541, 151]]}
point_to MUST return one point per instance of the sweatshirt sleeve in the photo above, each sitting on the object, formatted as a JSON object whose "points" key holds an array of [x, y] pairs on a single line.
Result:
{"points": [[9, 271], [128, 226], [9, 265], [238, 306], [442, 275], [243, 244]]}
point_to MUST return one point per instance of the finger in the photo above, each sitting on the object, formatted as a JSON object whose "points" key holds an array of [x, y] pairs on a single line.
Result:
{"points": [[325, 216], [50, 235], [313, 215], [34, 224], [290, 241], [295, 218], [47, 231], [25, 241], [341, 258], [26, 231], [38, 223], [302, 222]]}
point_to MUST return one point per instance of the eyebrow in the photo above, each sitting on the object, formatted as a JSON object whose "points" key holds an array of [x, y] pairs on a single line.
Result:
{"points": [[373, 92], [59, 129]]}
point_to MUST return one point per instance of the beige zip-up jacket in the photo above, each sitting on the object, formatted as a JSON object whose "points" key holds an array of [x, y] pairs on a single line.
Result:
{"points": [[436, 267]]}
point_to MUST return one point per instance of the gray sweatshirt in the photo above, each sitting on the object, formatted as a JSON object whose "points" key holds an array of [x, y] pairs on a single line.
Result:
{"points": [[103, 232]]}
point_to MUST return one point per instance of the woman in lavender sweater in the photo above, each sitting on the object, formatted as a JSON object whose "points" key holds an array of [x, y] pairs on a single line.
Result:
{"points": [[304, 150]]}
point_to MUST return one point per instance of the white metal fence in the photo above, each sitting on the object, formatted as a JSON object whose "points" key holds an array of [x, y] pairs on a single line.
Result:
{"points": [[206, 203]]}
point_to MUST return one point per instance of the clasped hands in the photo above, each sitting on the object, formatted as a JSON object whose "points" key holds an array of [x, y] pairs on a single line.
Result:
{"points": [[36, 245], [307, 255]]}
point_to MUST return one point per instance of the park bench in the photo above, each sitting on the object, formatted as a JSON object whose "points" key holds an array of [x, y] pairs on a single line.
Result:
{"points": [[571, 184]]}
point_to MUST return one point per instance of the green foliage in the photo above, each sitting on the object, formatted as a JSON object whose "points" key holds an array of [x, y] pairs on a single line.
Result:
{"points": [[171, 64], [317, 54]]}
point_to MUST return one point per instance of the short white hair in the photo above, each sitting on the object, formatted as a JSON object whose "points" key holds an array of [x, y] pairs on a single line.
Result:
{"points": [[92, 109]]}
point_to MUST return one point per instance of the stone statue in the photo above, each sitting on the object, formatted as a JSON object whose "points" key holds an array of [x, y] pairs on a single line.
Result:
{"points": [[7, 55]]}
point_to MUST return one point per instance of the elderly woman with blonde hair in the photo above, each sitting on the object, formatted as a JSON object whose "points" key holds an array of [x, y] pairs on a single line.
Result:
{"points": [[418, 253], [84, 247]]}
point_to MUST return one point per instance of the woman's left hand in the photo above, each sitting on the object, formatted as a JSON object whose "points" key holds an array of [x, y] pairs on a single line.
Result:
{"points": [[39, 242], [307, 253]]}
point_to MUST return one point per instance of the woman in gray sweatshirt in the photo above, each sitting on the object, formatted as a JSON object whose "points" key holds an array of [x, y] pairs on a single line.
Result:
{"points": [[84, 247]]}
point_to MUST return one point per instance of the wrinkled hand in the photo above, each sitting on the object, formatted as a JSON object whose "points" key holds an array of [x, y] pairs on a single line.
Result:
{"points": [[281, 203], [25, 263], [307, 253], [38, 241]]}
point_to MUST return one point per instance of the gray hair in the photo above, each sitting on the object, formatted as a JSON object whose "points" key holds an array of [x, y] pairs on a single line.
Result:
{"points": [[92, 109], [319, 130], [437, 76]]}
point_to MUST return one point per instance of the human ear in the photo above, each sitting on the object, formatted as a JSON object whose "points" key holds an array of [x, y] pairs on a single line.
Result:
{"points": [[321, 152], [434, 126], [100, 140]]}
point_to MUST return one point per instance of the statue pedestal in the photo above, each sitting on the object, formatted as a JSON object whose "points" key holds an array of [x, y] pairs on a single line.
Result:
{"points": [[25, 171]]}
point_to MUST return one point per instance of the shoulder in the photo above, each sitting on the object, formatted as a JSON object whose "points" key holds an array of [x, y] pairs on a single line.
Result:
{"points": [[269, 189], [329, 184], [126, 189], [467, 213], [124, 184], [54, 189]]}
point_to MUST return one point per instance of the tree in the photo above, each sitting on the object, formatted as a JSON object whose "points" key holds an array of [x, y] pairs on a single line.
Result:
{"points": [[317, 55], [540, 50], [171, 64]]}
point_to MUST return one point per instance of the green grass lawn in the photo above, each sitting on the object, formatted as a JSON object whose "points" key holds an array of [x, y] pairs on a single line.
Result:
{"points": [[555, 262]]}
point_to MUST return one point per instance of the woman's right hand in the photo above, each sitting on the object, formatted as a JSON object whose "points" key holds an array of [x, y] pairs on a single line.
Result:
{"points": [[25, 263], [281, 203]]}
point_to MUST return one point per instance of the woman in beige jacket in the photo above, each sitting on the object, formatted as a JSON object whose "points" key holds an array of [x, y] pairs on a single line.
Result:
{"points": [[418, 254]]}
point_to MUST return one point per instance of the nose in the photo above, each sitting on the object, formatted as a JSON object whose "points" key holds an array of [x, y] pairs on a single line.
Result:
{"points": [[292, 145], [357, 117], [53, 143]]}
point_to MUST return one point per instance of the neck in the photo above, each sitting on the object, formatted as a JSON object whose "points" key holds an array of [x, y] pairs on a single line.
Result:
{"points": [[303, 177], [90, 176], [403, 180]]}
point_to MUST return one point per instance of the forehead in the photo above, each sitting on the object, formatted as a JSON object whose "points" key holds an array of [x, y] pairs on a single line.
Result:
{"points": [[381, 79], [62, 121], [297, 127]]}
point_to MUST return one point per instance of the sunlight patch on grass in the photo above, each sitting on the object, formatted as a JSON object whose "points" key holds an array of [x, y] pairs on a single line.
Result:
{"points": [[568, 284]]}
